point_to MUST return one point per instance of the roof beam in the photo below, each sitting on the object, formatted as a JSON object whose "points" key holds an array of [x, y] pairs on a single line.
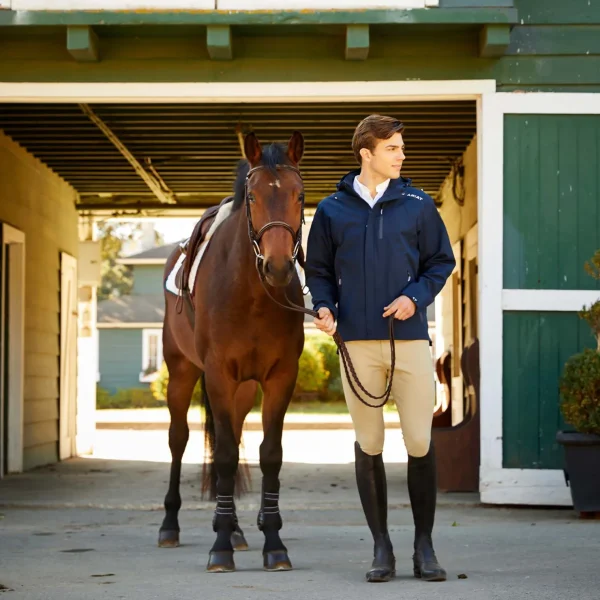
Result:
{"points": [[82, 43], [494, 40], [164, 194], [357, 42], [218, 42]]}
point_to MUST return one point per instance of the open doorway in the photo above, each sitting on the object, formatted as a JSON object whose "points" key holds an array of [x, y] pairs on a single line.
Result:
{"points": [[190, 146], [12, 333]]}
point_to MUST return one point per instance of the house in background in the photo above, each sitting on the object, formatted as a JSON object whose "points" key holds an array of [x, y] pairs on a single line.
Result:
{"points": [[130, 327]]}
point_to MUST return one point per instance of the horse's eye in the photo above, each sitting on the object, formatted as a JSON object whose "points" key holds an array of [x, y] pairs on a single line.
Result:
{"points": [[251, 198], [301, 198]]}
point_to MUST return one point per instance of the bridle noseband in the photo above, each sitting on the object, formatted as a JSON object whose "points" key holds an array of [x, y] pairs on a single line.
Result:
{"points": [[255, 236]]}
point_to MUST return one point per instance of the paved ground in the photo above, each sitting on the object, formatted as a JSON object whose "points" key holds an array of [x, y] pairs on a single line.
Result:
{"points": [[87, 530]]}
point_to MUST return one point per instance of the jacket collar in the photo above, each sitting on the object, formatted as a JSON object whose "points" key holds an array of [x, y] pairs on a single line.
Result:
{"points": [[393, 192]]}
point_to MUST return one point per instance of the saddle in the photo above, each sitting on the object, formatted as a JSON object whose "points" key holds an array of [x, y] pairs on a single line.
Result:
{"points": [[191, 246]]}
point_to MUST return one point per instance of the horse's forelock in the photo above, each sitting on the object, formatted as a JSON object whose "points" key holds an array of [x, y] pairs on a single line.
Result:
{"points": [[273, 155]]}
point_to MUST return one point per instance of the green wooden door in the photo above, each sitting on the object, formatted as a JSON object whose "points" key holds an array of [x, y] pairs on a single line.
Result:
{"points": [[551, 227]]}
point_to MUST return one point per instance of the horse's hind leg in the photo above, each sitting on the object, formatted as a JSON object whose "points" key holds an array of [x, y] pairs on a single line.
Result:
{"points": [[277, 394], [183, 376]]}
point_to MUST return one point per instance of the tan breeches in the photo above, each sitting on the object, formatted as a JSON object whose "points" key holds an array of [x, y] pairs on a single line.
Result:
{"points": [[413, 392]]}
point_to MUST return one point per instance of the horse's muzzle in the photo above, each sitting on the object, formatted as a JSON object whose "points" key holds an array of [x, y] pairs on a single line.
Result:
{"points": [[278, 275]]}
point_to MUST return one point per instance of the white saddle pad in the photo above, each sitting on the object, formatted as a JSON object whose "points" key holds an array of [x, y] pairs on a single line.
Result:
{"points": [[223, 213], [171, 284]]}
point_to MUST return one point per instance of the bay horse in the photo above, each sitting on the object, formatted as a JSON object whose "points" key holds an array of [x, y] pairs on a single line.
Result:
{"points": [[239, 337]]}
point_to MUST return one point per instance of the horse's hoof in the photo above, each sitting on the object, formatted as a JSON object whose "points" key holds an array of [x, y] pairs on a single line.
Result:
{"points": [[168, 538], [220, 562], [238, 541], [277, 560]]}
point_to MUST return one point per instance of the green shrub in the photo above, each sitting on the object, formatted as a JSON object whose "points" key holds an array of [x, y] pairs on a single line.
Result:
{"points": [[580, 389], [333, 390], [126, 398], [580, 381], [311, 372]]}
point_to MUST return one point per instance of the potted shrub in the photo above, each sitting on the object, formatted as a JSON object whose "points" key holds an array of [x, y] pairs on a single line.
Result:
{"points": [[580, 407]]}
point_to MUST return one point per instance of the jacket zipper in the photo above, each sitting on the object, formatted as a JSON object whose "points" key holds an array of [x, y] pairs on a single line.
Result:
{"points": [[381, 224]]}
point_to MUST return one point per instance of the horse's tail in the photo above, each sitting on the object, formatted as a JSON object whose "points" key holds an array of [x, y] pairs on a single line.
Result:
{"points": [[209, 473]]}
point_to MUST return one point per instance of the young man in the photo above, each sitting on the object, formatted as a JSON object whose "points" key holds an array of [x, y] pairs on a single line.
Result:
{"points": [[379, 249]]}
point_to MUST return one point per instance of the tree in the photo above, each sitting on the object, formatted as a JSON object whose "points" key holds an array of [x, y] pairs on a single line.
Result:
{"points": [[116, 279]]}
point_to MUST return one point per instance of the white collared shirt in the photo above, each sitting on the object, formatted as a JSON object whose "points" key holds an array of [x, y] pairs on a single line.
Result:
{"points": [[365, 194]]}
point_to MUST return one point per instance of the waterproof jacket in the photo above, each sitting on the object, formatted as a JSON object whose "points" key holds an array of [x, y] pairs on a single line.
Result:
{"points": [[360, 259]]}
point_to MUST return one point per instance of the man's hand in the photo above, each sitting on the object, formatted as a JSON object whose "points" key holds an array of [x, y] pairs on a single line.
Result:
{"points": [[325, 322], [402, 308]]}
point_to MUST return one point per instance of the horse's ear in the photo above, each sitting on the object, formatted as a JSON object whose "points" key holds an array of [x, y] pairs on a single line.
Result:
{"points": [[252, 149], [296, 147]]}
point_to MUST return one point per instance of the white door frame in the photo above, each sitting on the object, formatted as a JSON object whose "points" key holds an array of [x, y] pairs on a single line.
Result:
{"points": [[303, 91], [15, 361], [497, 484], [68, 357]]}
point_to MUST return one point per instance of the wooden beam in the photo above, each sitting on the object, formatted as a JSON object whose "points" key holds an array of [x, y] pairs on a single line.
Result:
{"points": [[164, 194], [82, 43], [357, 42], [218, 42], [494, 40], [446, 16]]}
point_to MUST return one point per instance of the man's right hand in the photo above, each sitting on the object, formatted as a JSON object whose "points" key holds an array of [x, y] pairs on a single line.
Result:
{"points": [[325, 322]]}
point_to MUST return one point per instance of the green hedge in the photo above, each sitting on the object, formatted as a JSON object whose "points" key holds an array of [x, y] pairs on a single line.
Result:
{"points": [[126, 398], [318, 380]]}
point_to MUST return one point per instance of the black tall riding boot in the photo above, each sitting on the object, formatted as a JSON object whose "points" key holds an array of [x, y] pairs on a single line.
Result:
{"points": [[422, 489], [372, 489]]}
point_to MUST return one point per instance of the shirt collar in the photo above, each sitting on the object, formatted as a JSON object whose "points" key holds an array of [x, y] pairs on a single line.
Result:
{"points": [[379, 189]]}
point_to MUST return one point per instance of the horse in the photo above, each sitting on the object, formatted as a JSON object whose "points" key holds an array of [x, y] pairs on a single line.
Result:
{"points": [[235, 335]]}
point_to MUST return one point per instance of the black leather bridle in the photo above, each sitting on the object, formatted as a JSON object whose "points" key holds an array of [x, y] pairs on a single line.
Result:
{"points": [[255, 236]]}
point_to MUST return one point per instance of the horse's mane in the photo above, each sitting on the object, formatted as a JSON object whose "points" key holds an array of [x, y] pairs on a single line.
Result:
{"points": [[273, 155]]}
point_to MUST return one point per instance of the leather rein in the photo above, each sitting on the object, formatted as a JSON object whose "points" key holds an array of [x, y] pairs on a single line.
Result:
{"points": [[255, 238]]}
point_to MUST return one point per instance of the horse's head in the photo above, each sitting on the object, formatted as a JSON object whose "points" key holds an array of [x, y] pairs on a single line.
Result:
{"points": [[275, 204]]}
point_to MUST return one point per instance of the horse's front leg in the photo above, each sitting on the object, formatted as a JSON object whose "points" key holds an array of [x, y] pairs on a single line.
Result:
{"points": [[221, 393], [278, 391]]}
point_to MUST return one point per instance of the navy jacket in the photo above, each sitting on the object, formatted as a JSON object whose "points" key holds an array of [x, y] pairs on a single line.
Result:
{"points": [[359, 259]]}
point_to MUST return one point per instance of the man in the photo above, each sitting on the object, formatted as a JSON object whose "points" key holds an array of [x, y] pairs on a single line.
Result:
{"points": [[378, 249]]}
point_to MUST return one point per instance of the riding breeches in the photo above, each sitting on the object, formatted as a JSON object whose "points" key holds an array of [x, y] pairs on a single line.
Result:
{"points": [[413, 392]]}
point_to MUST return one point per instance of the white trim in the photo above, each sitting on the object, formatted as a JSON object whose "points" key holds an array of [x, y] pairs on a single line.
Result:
{"points": [[490, 218], [113, 5], [499, 485], [68, 357], [549, 103], [16, 357], [141, 261], [146, 333], [248, 5], [318, 91], [129, 325], [550, 300], [525, 486]]}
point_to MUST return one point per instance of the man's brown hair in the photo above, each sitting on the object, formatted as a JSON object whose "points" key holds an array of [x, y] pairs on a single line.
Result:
{"points": [[372, 129]]}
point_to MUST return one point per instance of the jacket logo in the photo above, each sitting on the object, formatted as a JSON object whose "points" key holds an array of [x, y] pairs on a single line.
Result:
{"points": [[414, 196]]}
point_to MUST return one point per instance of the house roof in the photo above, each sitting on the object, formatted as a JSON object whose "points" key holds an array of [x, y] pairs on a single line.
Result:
{"points": [[132, 309], [154, 256]]}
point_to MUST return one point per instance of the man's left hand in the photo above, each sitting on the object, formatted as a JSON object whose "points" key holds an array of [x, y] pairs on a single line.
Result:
{"points": [[402, 308]]}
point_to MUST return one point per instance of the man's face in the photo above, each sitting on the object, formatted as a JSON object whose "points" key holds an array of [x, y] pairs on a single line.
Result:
{"points": [[387, 157]]}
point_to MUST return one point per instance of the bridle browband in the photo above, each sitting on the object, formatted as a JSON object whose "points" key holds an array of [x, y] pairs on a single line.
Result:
{"points": [[255, 238]]}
